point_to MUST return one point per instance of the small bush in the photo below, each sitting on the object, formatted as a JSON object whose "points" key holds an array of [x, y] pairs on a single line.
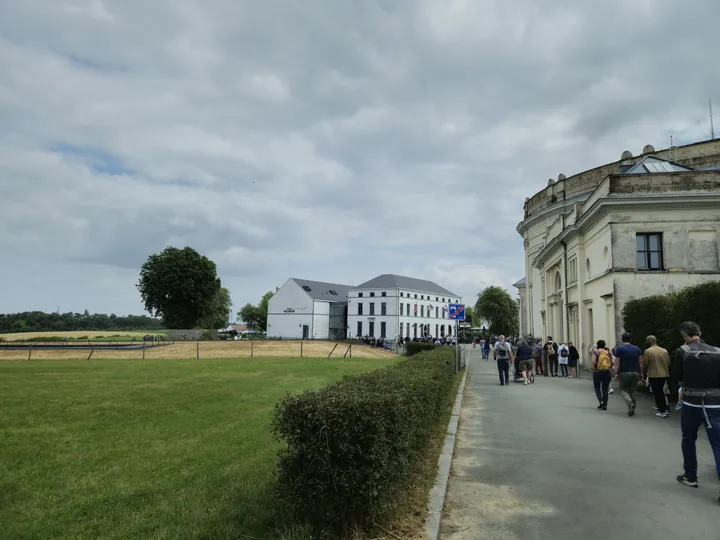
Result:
{"points": [[414, 347], [351, 445]]}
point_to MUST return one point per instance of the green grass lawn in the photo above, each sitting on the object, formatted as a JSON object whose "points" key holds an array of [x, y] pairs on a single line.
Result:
{"points": [[153, 449]]}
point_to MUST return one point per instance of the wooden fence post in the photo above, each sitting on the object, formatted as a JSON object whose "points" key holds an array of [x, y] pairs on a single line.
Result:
{"points": [[30, 351], [143, 351], [252, 348], [197, 354], [301, 349], [91, 353], [351, 350]]}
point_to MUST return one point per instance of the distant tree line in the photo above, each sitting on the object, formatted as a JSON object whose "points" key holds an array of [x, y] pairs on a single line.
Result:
{"points": [[37, 321]]}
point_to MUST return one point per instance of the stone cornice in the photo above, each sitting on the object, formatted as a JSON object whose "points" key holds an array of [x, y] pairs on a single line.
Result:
{"points": [[607, 204]]}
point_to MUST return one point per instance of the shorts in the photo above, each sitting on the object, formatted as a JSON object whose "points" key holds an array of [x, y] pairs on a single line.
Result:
{"points": [[526, 365]]}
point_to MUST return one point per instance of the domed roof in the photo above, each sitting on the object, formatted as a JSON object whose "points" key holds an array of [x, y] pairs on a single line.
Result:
{"points": [[627, 154], [561, 177], [649, 149], [551, 182]]}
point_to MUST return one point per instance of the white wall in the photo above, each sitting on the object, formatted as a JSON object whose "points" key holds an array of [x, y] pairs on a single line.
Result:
{"points": [[321, 321], [393, 317], [289, 325]]}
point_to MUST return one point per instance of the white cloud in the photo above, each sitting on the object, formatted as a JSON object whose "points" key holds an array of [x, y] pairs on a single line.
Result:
{"points": [[330, 141]]}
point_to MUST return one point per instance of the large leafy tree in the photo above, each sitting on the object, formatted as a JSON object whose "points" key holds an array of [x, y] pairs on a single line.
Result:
{"points": [[499, 310], [256, 316], [179, 285], [219, 311]]}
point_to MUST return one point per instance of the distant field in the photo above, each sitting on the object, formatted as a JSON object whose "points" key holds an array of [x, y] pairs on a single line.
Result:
{"points": [[79, 333], [153, 449], [212, 349]]}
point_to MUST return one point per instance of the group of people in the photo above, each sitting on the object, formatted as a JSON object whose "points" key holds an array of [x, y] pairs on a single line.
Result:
{"points": [[694, 369]]}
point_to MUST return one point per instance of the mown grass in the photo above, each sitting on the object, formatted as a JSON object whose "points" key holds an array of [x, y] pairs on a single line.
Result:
{"points": [[153, 449]]}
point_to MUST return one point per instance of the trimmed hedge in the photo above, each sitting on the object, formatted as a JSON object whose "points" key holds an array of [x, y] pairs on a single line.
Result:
{"points": [[414, 347], [662, 315], [352, 445]]}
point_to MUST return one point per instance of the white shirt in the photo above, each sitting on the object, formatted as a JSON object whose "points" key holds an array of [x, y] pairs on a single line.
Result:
{"points": [[562, 360]]}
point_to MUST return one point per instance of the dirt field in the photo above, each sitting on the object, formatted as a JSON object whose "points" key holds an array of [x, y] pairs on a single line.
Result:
{"points": [[105, 333], [211, 349]]}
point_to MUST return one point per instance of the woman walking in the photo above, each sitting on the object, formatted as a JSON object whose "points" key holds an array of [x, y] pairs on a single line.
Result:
{"points": [[573, 358], [601, 363]]}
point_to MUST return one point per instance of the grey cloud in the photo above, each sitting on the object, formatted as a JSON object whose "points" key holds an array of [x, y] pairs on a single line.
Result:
{"points": [[340, 140]]}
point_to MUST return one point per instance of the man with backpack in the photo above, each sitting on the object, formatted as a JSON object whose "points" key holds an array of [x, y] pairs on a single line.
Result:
{"points": [[550, 355], [601, 367], [503, 355], [696, 365]]}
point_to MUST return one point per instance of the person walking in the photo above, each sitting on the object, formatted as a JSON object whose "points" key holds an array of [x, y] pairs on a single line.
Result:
{"points": [[573, 359], [550, 361], [537, 355], [629, 365], [696, 365], [563, 358], [503, 356], [657, 361], [524, 356], [485, 346], [601, 363]]}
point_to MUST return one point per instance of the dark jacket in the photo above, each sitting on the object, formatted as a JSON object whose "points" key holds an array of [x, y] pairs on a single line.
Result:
{"points": [[574, 354], [695, 372], [524, 352]]}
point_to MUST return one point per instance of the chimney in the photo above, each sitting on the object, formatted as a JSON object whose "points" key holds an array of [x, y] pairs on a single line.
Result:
{"points": [[626, 162]]}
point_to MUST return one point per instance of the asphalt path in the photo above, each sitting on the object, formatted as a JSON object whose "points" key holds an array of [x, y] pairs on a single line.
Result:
{"points": [[541, 462]]}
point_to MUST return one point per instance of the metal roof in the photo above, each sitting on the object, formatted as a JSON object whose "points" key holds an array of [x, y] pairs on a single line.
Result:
{"points": [[655, 165], [520, 284], [319, 290], [392, 281]]}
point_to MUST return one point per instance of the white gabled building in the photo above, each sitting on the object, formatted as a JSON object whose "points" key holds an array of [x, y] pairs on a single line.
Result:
{"points": [[304, 309], [389, 306]]}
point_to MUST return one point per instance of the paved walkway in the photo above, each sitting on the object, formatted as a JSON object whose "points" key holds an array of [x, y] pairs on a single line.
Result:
{"points": [[542, 462]]}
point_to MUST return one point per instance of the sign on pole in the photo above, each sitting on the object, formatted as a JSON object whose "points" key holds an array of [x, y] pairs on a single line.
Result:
{"points": [[456, 312]]}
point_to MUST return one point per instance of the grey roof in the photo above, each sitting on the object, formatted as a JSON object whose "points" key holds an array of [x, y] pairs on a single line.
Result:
{"points": [[520, 284], [319, 290], [392, 281], [656, 165]]}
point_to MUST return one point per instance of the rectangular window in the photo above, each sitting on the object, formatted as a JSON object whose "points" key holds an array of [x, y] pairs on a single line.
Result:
{"points": [[407, 311], [372, 308], [360, 295], [414, 330], [371, 329], [572, 270], [443, 299], [383, 309], [372, 295], [422, 311], [437, 299], [360, 310], [436, 330], [437, 312], [383, 294], [407, 330], [401, 329], [359, 329], [649, 251], [422, 297], [401, 312], [402, 294], [383, 329]]}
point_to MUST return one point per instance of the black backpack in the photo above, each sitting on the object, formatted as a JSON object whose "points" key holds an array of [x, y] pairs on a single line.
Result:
{"points": [[564, 353]]}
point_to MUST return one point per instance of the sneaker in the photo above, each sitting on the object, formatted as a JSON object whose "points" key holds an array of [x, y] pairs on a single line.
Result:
{"points": [[604, 406], [631, 409], [600, 406], [662, 414], [611, 391], [690, 482], [656, 407]]}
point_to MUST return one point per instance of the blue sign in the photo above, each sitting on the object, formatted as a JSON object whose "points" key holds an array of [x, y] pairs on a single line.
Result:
{"points": [[457, 312]]}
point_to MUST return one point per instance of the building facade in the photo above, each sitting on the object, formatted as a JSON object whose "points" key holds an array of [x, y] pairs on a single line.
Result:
{"points": [[304, 309], [637, 227], [390, 306]]}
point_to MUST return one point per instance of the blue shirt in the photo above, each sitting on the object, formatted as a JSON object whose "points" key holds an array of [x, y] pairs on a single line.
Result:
{"points": [[629, 356]]}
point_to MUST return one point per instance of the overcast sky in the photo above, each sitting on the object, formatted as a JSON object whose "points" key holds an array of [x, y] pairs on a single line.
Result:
{"points": [[332, 140]]}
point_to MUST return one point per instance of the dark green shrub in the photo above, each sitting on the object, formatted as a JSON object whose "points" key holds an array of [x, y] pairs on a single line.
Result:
{"points": [[351, 445], [652, 315], [45, 338], [701, 304], [415, 347]]}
